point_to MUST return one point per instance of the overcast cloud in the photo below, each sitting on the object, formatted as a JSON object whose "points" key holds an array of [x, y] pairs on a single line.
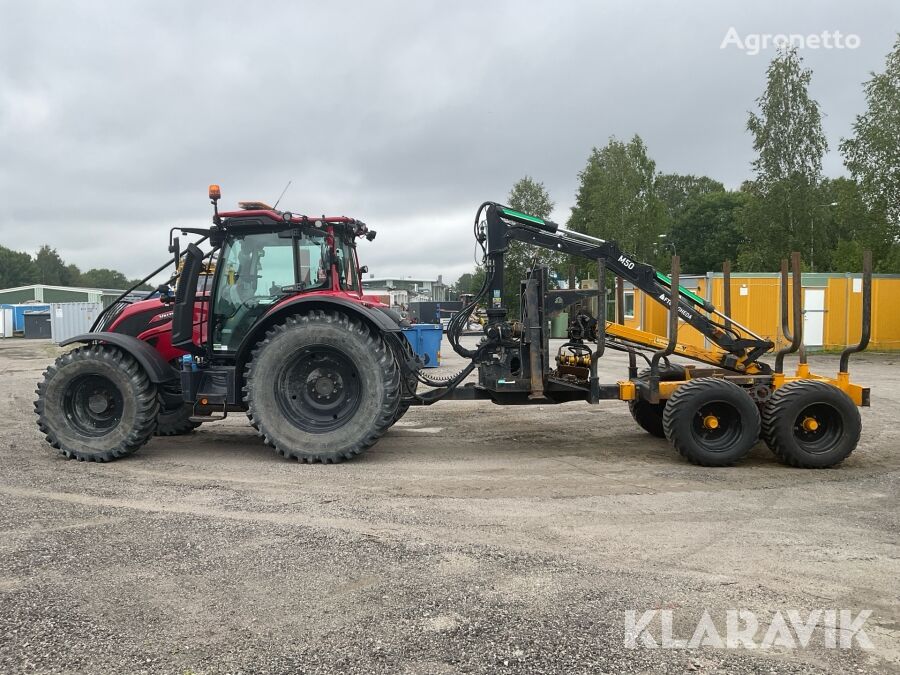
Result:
{"points": [[115, 116]]}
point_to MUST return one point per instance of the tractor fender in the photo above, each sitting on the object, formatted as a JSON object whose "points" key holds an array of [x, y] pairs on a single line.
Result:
{"points": [[156, 367], [379, 320]]}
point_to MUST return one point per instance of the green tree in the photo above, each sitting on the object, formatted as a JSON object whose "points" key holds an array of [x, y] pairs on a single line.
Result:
{"points": [[855, 227], [872, 155], [51, 269], [104, 278], [469, 282], [531, 197], [708, 231], [678, 191], [617, 200], [782, 214], [16, 268]]}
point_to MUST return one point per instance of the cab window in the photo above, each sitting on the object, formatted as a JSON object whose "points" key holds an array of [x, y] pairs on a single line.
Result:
{"points": [[255, 271]]}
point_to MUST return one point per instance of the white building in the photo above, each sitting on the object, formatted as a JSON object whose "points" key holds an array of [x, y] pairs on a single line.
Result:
{"points": [[417, 288]]}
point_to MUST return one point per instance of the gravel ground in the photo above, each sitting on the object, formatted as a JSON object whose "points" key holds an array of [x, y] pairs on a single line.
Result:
{"points": [[472, 538]]}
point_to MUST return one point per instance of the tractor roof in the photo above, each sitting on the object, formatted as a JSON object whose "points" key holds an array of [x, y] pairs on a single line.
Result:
{"points": [[280, 216]]}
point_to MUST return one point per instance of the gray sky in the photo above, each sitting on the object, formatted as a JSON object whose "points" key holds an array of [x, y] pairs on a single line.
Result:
{"points": [[115, 116]]}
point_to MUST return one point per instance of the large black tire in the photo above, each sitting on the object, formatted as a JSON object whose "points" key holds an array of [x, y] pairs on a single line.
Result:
{"points": [[649, 415], [792, 411], [322, 387], [408, 390], [174, 416], [175, 422], [698, 404], [96, 404]]}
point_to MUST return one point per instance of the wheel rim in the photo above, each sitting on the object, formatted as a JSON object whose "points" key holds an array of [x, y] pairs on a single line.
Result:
{"points": [[818, 428], [716, 426], [318, 389], [93, 405]]}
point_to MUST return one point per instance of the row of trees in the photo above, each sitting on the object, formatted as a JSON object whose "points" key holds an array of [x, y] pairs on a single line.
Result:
{"points": [[18, 268], [788, 205]]}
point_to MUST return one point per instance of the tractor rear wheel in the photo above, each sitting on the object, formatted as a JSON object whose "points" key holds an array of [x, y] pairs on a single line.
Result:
{"points": [[96, 404], [649, 415], [711, 422], [810, 425], [322, 387]]}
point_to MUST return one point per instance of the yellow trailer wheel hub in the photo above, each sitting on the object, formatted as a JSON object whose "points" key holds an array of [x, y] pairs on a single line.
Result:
{"points": [[710, 422], [809, 424]]}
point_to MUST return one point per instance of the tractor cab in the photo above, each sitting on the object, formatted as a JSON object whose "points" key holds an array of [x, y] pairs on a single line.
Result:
{"points": [[264, 259]]}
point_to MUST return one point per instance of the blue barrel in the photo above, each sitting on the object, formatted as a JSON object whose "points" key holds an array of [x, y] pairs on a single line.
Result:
{"points": [[425, 339]]}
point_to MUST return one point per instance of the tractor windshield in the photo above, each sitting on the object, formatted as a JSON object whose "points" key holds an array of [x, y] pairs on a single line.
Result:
{"points": [[256, 270]]}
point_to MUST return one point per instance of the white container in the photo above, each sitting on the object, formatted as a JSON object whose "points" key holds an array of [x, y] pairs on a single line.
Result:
{"points": [[7, 322], [68, 319]]}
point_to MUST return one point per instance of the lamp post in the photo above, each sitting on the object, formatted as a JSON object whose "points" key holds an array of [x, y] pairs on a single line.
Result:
{"points": [[812, 233], [668, 242]]}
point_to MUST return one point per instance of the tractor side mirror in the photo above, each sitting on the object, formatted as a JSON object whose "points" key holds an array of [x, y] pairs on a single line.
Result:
{"points": [[370, 235], [363, 269], [175, 250]]}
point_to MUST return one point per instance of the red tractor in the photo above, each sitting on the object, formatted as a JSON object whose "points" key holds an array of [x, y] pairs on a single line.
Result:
{"points": [[282, 284]]}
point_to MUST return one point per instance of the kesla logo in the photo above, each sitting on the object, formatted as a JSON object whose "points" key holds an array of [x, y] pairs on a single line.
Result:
{"points": [[163, 316], [625, 261]]}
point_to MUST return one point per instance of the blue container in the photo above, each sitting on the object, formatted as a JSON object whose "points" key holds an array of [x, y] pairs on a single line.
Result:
{"points": [[425, 339]]}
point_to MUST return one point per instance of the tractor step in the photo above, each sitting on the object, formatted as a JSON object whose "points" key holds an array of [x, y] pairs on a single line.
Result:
{"points": [[214, 414]]}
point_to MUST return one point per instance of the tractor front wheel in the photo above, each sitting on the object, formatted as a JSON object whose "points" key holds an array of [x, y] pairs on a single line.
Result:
{"points": [[811, 425], [96, 404], [711, 422], [322, 387]]}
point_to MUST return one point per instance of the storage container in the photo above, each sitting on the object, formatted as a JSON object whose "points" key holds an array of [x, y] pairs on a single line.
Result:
{"points": [[425, 339], [7, 325], [68, 319], [37, 325]]}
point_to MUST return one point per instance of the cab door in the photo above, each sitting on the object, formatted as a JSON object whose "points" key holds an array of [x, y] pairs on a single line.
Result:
{"points": [[254, 271]]}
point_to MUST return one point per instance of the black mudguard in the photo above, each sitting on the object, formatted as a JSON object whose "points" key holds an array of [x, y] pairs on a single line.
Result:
{"points": [[156, 367]]}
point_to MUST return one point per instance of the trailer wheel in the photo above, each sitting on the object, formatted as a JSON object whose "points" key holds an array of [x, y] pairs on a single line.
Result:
{"points": [[711, 422], [811, 425], [322, 387], [96, 404], [649, 415]]}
